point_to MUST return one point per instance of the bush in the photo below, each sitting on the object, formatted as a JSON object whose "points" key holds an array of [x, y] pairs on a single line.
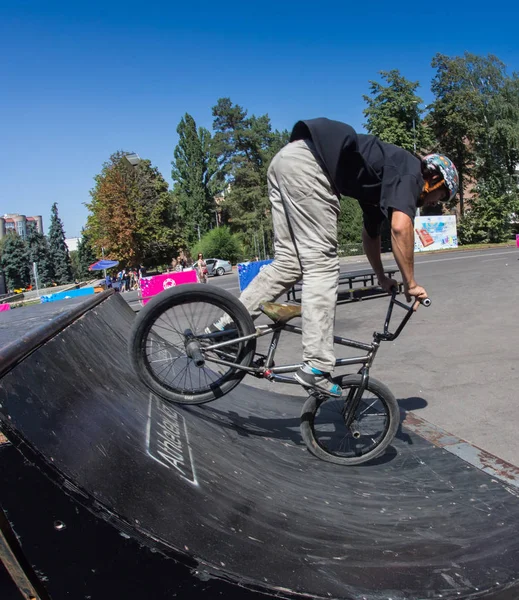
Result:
{"points": [[219, 243], [350, 223]]}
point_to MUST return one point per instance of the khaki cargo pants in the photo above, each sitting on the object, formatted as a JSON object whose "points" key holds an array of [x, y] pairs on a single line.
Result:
{"points": [[304, 215]]}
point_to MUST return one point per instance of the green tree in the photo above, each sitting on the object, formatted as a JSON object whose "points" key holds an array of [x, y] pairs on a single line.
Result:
{"points": [[14, 261], [74, 262], [394, 114], [220, 243], [132, 215], [465, 88], [197, 178], [245, 146], [58, 250], [83, 257], [39, 253], [489, 219], [498, 149]]}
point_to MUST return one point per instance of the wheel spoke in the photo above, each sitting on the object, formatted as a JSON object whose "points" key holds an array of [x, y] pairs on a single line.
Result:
{"points": [[368, 407]]}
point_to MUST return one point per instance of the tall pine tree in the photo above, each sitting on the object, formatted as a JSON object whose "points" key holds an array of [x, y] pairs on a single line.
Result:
{"points": [[85, 255], [14, 261], [197, 178], [58, 249], [245, 146]]}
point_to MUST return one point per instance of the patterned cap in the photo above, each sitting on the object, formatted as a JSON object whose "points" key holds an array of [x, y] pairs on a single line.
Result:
{"points": [[439, 162]]}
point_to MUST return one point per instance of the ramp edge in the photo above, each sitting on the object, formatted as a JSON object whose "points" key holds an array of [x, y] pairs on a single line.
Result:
{"points": [[17, 351]]}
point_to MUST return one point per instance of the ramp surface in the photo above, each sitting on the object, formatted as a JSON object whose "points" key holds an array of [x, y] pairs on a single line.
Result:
{"points": [[231, 486]]}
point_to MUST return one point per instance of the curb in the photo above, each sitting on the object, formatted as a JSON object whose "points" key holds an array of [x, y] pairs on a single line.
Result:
{"points": [[473, 455]]}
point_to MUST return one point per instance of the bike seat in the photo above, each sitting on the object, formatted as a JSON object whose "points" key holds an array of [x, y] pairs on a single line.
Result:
{"points": [[280, 313]]}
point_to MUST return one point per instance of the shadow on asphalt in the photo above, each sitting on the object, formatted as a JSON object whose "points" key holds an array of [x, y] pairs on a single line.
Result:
{"points": [[412, 403]]}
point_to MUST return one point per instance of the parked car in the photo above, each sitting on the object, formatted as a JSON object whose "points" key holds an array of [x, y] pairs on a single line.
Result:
{"points": [[217, 266]]}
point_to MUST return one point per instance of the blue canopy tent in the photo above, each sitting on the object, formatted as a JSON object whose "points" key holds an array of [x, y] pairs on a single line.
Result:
{"points": [[101, 265]]}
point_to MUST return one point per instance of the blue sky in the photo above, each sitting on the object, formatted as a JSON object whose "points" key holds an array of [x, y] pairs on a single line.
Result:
{"points": [[82, 80]]}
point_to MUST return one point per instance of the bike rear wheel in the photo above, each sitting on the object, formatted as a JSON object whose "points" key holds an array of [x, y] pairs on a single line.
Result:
{"points": [[374, 426], [171, 351]]}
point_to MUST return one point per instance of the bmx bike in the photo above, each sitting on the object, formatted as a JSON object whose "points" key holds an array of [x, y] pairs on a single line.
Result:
{"points": [[177, 358]]}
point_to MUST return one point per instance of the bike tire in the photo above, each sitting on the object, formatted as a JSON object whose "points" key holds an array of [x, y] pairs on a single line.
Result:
{"points": [[189, 293], [349, 382]]}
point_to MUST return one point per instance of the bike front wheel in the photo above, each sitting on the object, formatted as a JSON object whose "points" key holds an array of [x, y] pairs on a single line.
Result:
{"points": [[173, 353], [374, 424]]}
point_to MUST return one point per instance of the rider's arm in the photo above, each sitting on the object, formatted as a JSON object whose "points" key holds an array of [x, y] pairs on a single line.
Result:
{"points": [[372, 250], [402, 238], [373, 218]]}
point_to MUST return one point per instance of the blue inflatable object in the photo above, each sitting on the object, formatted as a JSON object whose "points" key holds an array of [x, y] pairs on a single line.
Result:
{"points": [[67, 294], [247, 271]]}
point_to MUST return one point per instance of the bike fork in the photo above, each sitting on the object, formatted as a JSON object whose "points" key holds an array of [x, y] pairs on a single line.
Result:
{"points": [[352, 401]]}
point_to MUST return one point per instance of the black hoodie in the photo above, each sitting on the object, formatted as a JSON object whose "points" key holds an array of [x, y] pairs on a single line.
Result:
{"points": [[380, 176]]}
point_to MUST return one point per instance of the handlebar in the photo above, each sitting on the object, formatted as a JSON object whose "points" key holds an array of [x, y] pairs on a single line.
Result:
{"points": [[387, 335]]}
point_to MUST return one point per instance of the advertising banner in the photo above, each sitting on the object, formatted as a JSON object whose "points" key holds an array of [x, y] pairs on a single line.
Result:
{"points": [[150, 286], [247, 271], [435, 233]]}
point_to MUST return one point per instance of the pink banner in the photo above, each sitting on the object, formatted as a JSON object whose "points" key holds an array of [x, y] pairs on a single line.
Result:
{"points": [[151, 286], [4, 307]]}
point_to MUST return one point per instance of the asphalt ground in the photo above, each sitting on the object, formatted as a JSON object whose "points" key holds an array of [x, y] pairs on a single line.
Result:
{"points": [[456, 364]]}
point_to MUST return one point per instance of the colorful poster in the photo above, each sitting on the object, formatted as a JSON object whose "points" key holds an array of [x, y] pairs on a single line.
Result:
{"points": [[435, 233], [150, 286]]}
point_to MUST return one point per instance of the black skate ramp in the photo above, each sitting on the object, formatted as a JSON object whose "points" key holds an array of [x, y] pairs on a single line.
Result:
{"points": [[229, 490]]}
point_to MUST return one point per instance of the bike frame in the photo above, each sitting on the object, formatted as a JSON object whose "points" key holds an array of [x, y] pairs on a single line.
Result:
{"points": [[276, 373], [269, 371]]}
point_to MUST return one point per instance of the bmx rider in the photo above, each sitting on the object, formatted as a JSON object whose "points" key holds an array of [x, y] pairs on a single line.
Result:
{"points": [[324, 160]]}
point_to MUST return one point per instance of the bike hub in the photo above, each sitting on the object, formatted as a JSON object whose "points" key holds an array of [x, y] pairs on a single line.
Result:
{"points": [[193, 350]]}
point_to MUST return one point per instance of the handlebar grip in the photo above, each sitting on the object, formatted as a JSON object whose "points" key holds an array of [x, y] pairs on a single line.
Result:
{"points": [[425, 302]]}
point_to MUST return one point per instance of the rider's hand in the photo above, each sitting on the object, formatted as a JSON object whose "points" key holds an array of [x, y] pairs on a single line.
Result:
{"points": [[386, 283], [415, 291]]}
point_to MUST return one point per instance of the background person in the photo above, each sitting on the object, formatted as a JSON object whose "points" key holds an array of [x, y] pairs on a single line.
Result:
{"points": [[201, 268]]}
